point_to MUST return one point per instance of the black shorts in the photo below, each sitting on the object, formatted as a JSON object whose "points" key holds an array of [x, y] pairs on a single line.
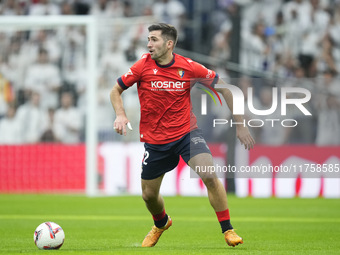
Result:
{"points": [[162, 158]]}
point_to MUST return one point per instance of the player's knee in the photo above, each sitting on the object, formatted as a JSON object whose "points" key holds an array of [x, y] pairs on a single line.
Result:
{"points": [[149, 195], [210, 183], [208, 175]]}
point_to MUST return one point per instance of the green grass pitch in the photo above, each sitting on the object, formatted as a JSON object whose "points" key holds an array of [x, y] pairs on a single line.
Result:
{"points": [[117, 225]]}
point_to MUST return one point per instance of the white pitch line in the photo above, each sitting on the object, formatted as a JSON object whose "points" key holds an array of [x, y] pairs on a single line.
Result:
{"points": [[148, 218]]}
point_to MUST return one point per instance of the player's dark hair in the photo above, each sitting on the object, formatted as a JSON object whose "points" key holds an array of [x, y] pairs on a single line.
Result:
{"points": [[168, 32]]}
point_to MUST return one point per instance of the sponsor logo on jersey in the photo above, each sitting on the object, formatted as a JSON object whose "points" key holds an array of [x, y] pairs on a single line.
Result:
{"points": [[181, 73], [167, 84], [209, 74], [155, 71], [144, 56], [128, 73]]}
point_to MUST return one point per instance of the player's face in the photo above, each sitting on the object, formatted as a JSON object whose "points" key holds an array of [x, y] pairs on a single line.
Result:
{"points": [[158, 47]]}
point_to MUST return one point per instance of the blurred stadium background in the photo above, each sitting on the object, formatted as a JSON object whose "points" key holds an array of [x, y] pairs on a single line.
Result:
{"points": [[44, 90]]}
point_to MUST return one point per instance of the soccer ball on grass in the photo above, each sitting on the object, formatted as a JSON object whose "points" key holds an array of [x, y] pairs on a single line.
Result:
{"points": [[49, 236]]}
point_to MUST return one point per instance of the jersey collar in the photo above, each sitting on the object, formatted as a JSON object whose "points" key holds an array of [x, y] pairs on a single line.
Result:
{"points": [[167, 65]]}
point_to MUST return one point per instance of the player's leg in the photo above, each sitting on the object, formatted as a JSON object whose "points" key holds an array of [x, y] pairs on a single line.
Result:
{"points": [[216, 192], [151, 196], [195, 152], [217, 196], [155, 204], [157, 161]]}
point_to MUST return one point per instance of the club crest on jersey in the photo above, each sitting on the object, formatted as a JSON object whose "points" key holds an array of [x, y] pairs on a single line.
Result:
{"points": [[180, 73]]}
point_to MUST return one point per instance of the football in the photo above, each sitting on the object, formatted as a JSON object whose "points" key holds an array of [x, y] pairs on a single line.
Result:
{"points": [[49, 236]]}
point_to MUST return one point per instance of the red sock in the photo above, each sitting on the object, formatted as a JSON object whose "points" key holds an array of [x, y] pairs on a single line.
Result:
{"points": [[223, 215], [159, 217], [224, 219]]}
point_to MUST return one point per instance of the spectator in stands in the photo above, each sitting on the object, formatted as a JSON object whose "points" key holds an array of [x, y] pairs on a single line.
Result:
{"points": [[317, 18], [48, 136], [67, 9], [67, 121], [295, 10], [260, 11], [308, 51], [73, 64], [107, 9], [44, 7], [334, 36], [326, 60], [17, 63], [220, 43], [314, 27], [73, 59], [108, 67], [45, 78], [42, 39], [10, 128], [33, 119], [80, 83], [255, 48], [4, 89], [171, 12], [10, 8], [4, 44], [127, 9]]}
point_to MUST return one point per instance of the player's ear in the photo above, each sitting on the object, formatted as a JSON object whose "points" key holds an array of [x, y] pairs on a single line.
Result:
{"points": [[170, 44]]}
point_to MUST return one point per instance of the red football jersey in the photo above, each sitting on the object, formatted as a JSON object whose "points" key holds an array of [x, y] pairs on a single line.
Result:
{"points": [[164, 96]]}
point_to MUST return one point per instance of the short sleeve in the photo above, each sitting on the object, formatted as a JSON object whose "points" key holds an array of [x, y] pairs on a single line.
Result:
{"points": [[204, 75], [132, 76]]}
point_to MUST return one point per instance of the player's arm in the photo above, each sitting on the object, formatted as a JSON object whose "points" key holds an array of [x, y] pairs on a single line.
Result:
{"points": [[242, 132], [117, 103]]}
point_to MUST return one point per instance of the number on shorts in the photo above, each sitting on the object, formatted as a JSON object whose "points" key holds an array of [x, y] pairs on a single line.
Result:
{"points": [[146, 155]]}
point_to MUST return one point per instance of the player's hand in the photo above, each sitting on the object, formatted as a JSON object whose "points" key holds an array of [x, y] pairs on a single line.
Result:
{"points": [[120, 124], [245, 137]]}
